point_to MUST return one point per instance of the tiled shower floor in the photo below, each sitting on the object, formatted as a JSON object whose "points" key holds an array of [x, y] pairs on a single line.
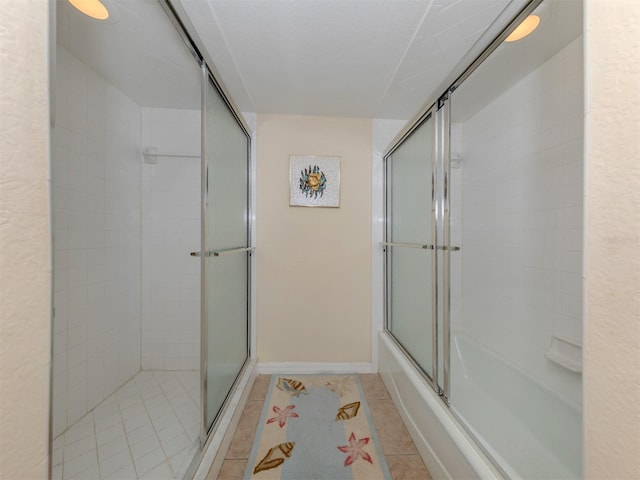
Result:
{"points": [[147, 429]]}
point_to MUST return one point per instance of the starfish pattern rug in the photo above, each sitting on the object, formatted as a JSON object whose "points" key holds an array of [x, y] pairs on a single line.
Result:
{"points": [[316, 427]]}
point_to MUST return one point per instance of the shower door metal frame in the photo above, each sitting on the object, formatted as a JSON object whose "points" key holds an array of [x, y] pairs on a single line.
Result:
{"points": [[443, 148], [208, 80], [178, 16], [443, 132], [387, 245], [440, 110]]}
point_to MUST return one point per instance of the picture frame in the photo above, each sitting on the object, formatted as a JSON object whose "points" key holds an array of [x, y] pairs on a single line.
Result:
{"points": [[314, 181]]}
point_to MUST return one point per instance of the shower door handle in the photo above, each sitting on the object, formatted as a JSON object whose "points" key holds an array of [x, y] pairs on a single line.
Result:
{"points": [[226, 251], [427, 246], [452, 248]]}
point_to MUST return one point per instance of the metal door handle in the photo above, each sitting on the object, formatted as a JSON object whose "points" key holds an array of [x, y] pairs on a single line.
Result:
{"points": [[408, 245], [226, 251]]}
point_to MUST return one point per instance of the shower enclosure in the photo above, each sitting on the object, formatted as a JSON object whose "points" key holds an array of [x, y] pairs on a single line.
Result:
{"points": [[483, 251], [151, 232]]}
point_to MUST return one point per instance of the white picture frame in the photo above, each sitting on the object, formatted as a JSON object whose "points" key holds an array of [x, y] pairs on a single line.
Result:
{"points": [[314, 181]]}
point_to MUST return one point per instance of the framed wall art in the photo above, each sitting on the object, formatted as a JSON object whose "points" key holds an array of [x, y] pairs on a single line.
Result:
{"points": [[314, 181]]}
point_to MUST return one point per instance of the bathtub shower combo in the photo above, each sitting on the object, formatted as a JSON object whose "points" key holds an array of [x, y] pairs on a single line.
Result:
{"points": [[483, 260], [152, 261]]}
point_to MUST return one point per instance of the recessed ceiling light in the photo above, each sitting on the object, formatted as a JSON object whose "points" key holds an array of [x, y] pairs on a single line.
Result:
{"points": [[93, 8], [527, 26]]}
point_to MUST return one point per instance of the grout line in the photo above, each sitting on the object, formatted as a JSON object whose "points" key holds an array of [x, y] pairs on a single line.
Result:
{"points": [[126, 436], [153, 426], [184, 429], [95, 440]]}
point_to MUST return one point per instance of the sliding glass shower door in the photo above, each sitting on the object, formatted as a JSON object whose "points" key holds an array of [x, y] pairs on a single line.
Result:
{"points": [[225, 252], [483, 246], [516, 285], [409, 245]]}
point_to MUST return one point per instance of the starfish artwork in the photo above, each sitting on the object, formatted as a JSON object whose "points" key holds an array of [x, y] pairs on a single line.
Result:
{"points": [[354, 449], [282, 415]]}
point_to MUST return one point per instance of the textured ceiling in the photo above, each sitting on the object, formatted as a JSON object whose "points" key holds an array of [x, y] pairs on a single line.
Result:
{"points": [[561, 22], [358, 58], [362, 58]]}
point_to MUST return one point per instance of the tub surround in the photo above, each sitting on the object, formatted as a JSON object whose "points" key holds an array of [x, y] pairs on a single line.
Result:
{"points": [[531, 430], [517, 212]]}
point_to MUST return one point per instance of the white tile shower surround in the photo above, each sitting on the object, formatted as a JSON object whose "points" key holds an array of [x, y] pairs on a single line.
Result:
{"points": [[170, 230], [148, 428], [520, 268], [96, 200], [126, 291]]}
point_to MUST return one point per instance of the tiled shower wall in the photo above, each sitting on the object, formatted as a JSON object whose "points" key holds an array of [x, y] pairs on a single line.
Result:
{"points": [[97, 265], [170, 230], [522, 220], [126, 291]]}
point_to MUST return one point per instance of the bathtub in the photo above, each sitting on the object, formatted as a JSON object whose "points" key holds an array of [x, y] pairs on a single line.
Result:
{"points": [[495, 398]]}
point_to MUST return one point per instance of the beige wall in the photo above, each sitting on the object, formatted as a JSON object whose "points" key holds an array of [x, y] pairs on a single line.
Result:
{"points": [[612, 334], [25, 269], [313, 264]]}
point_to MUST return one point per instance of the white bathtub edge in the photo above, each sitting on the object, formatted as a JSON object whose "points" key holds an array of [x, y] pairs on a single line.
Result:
{"points": [[436, 468], [454, 457]]}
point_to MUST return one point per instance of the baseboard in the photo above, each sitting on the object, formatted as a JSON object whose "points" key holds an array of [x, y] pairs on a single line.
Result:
{"points": [[313, 367]]}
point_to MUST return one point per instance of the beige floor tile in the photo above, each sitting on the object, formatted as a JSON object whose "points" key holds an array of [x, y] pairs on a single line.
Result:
{"points": [[260, 387], [407, 467], [243, 438], [231, 470], [393, 435], [373, 386]]}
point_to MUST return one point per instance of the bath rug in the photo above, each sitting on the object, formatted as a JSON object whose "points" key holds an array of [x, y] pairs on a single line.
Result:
{"points": [[316, 427]]}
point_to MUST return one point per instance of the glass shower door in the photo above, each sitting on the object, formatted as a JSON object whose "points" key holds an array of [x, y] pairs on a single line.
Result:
{"points": [[516, 284], [225, 253], [409, 246]]}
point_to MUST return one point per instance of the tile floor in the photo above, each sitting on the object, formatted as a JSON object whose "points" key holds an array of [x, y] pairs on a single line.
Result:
{"points": [[147, 429], [399, 450]]}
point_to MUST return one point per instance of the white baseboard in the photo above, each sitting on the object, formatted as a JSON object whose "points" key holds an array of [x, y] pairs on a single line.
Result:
{"points": [[313, 367]]}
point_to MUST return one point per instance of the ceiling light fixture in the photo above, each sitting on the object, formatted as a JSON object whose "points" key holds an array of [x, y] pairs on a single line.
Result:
{"points": [[92, 8], [527, 26]]}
